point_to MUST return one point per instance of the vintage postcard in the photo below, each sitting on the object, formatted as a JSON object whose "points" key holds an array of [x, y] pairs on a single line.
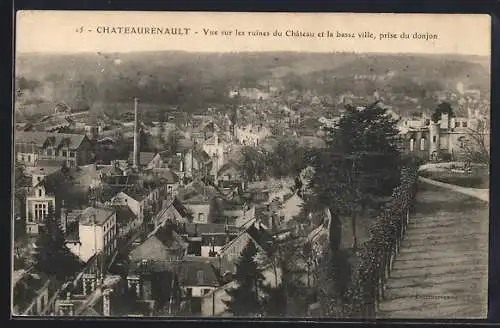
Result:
{"points": [[270, 165]]}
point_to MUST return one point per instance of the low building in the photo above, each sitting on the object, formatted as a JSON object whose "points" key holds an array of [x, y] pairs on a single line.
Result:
{"points": [[229, 172], [230, 253], [71, 149], [199, 208], [197, 279], [163, 244], [175, 211]]}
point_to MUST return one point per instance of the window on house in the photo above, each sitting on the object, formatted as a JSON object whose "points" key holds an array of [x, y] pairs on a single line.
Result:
{"points": [[39, 192], [22, 158], [49, 151], [64, 153], [434, 138], [457, 124], [201, 217], [422, 144], [206, 291], [29, 158], [72, 154], [189, 291], [464, 124]]}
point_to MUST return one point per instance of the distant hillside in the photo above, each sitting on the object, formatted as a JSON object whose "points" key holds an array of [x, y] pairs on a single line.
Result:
{"points": [[193, 80]]}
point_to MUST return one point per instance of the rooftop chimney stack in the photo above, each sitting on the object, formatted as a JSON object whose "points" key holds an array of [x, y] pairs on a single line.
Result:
{"points": [[136, 134]]}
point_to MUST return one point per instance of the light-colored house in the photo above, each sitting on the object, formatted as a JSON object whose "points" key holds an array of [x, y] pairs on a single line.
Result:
{"points": [[138, 200], [38, 203], [96, 233]]}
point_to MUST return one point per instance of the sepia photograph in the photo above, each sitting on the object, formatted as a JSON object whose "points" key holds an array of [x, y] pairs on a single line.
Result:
{"points": [[250, 165]]}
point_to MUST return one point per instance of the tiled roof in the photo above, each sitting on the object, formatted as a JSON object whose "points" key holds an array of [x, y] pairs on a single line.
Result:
{"points": [[100, 215], [124, 215], [210, 228], [180, 208], [229, 167], [261, 237], [172, 240], [57, 139], [50, 162], [194, 273], [140, 193], [166, 174], [202, 156], [42, 170], [144, 157]]}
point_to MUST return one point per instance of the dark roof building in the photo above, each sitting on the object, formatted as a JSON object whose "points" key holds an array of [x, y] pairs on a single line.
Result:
{"points": [[73, 141]]}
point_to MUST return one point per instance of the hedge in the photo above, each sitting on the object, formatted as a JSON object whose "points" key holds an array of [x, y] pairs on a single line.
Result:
{"points": [[378, 253]]}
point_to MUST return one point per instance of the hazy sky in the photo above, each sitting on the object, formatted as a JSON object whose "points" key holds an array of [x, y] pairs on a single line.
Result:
{"points": [[58, 31]]}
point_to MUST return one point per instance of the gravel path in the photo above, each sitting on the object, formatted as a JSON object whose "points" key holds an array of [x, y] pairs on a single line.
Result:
{"points": [[442, 268]]}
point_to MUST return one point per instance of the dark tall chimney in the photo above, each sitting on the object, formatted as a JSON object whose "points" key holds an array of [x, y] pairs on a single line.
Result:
{"points": [[136, 135]]}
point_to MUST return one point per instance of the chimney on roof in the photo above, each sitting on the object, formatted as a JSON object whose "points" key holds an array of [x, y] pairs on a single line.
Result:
{"points": [[136, 157]]}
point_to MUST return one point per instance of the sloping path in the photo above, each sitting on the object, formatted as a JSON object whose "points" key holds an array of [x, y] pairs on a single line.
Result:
{"points": [[482, 194], [442, 268]]}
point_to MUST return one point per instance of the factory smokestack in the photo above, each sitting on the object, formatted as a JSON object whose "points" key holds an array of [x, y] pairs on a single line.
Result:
{"points": [[136, 134]]}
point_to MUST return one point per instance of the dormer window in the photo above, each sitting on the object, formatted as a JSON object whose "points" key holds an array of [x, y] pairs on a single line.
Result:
{"points": [[201, 277]]}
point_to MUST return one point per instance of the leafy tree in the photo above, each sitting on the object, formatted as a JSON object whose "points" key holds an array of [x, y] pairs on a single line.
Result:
{"points": [[52, 257], [245, 298], [442, 108], [286, 158], [286, 296], [360, 164], [334, 273], [252, 163], [474, 145]]}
